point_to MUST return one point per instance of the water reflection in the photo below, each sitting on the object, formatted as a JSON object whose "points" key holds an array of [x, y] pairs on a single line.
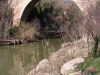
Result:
{"points": [[20, 59]]}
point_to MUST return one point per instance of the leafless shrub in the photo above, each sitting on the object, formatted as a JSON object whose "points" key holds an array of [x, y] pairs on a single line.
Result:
{"points": [[36, 24], [29, 31]]}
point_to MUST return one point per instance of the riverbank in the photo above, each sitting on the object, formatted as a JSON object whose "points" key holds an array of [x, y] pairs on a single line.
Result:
{"points": [[53, 65], [18, 41], [15, 42], [10, 42]]}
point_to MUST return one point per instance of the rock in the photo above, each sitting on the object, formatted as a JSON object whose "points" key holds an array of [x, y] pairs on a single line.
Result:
{"points": [[43, 67], [71, 65], [76, 73], [68, 51], [57, 59]]}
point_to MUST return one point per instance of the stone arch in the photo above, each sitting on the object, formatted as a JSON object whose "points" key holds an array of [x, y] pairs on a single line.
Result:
{"points": [[28, 9], [31, 4], [27, 5]]}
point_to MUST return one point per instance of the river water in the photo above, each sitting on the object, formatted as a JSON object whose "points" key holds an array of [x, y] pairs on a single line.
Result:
{"points": [[20, 59]]}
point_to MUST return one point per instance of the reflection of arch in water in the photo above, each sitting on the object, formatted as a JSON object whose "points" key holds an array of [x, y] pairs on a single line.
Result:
{"points": [[10, 63], [3, 59]]}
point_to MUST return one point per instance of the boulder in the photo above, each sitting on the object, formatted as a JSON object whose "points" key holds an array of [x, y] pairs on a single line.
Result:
{"points": [[71, 65], [43, 67], [57, 59]]}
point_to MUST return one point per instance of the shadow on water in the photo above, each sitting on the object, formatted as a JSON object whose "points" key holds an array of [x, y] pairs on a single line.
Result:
{"points": [[20, 59]]}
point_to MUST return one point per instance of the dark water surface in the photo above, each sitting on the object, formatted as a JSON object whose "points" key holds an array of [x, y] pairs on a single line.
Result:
{"points": [[20, 59]]}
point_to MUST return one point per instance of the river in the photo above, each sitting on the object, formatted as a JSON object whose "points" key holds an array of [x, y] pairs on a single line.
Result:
{"points": [[20, 59]]}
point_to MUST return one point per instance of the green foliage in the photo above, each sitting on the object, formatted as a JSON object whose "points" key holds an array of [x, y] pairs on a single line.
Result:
{"points": [[46, 13], [96, 42], [13, 31], [90, 66], [84, 65]]}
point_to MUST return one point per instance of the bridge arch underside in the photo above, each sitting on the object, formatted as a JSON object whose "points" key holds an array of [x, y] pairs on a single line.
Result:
{"points": [[29, 9]]}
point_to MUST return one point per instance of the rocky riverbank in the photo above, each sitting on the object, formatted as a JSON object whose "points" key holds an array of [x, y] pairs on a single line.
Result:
{"points": [[64, 61]]}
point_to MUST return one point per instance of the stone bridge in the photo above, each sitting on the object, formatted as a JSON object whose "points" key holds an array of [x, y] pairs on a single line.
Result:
{"points": [[22, 8]]}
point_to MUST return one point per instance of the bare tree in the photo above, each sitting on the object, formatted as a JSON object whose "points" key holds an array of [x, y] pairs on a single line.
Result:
{"points": [[92, 19], [6, 16], [92, 23], [72, 23]]}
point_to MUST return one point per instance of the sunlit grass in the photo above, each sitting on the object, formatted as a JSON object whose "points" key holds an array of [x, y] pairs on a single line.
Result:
{"points": [[91, 66]]}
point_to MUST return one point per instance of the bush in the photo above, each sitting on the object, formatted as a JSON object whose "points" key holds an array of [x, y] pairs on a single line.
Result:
{"points": [[25, 31], [29, 31]]}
